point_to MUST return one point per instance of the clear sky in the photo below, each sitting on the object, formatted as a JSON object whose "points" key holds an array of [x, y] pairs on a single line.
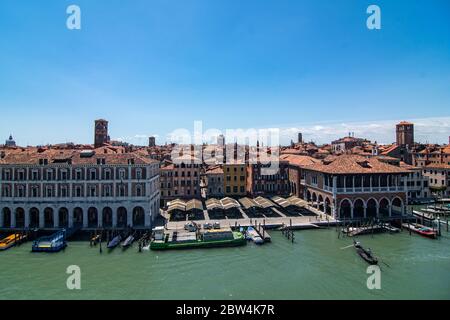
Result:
{"points": [[151, 66]]}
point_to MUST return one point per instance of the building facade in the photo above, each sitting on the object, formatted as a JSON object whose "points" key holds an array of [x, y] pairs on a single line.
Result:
{"points": [[352, 187], [273, 182], [73, 188], [215, 185], [235, 179], [439, 179]]}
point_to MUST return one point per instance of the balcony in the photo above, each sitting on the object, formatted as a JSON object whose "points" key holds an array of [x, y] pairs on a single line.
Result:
{"points": [[366, 189]]}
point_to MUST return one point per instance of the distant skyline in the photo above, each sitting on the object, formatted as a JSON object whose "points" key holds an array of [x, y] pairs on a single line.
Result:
{"points": [[152, 66]]}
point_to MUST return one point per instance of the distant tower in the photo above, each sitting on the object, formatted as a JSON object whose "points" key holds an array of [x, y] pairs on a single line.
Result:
{"points": [[300, 137], [151, 141], [10, 142], [101, 133], [405, 134], [221, 140]]}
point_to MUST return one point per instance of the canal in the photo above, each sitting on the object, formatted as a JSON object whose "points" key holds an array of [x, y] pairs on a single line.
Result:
{"points": [[314, 267]]}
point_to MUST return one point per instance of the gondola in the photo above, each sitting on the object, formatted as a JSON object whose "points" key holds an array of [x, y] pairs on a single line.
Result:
{"points": [[365, 254], [114, 242], [128, 241]]}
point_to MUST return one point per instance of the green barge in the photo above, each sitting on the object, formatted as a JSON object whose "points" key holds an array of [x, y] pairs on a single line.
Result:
{"points": [[191, 240]]}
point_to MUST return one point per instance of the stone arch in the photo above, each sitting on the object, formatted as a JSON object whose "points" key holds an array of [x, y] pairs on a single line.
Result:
{"points": [[107, 216], [384, 205], [6, 215], [122, 219], [345, 208], [48, 218], [308, 195], [371, 211], [63, 217], [78, 217], [34, 218], [20, 217], [358, 208], [328, 206], [397, 206], [314, 197], [92, 217], [321, 203], [138, 216]]}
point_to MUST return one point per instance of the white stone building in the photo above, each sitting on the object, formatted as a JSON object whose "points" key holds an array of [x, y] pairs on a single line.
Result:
{"points": [[101, 188]]}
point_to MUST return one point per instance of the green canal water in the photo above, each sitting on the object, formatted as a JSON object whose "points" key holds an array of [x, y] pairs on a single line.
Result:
{"points": [[314, 267]]}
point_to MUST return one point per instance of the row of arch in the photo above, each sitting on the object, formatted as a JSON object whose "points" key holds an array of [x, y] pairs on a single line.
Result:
{"points": [[60, 218], [358, 208]]}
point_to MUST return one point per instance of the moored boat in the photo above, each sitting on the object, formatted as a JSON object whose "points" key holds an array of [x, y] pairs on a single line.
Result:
{"points": [[128, 241], [11, 241], [207, 239], [422, 230], [254, 236], [114, 242]]}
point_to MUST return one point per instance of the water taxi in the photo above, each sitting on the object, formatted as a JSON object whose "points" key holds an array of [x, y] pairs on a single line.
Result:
{"points": [[11, 240], [254, 236], [188, 240], [422, 230]]}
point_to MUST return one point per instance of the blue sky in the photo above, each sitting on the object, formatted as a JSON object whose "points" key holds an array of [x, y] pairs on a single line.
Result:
{"points": [[151, 66]]}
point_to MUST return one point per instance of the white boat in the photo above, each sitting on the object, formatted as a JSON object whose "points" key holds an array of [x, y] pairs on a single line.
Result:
{"points": [[253, 235]]}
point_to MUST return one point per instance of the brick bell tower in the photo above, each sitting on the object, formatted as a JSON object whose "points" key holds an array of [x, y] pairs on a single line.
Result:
{"points": [[101, 133], [405, 134]]}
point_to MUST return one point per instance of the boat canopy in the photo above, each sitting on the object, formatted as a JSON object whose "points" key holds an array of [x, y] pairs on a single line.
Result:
{"points": [[248, 203], [229, 203], [194, 204], [176, 204], [264, 203]]}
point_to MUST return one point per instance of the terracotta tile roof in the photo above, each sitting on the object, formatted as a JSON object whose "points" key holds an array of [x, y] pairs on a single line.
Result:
{"points": [[32, 156], [389, 149], [348, 164], [438, 165], [215, 170], [299, 160]]}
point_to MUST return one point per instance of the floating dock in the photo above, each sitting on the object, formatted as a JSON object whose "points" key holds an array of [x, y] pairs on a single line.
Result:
{"points": [[54, 243]]}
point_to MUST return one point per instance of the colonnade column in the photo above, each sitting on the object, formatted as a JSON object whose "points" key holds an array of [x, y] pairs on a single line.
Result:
{"points": [[27, 218], [41, 219], [70, 217], [55, 219], [13, 219], [114, 218], [148, 216], [85, 218], [100, 218]]}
